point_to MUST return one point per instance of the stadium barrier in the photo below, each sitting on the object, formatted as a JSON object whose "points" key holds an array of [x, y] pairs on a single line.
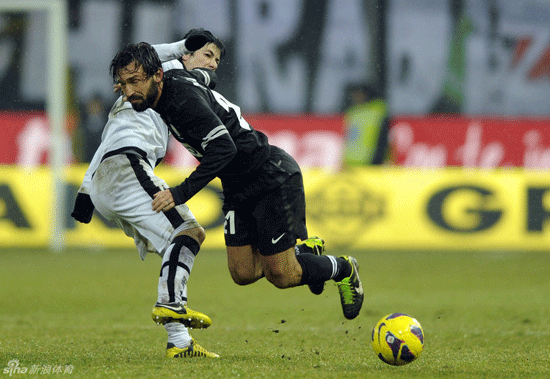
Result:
{"points": [[367, 208]]}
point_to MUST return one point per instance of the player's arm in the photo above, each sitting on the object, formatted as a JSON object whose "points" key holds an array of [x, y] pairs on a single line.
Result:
{"points": [[205, 76], [83, 206], [193, 42], [219, 150]]}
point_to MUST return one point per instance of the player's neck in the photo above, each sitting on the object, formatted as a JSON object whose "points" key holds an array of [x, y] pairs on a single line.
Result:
{"points": [[159, 94]]}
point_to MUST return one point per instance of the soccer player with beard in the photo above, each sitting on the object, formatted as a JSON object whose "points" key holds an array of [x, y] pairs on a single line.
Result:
{"points": [[264, 201], [120, 184]]}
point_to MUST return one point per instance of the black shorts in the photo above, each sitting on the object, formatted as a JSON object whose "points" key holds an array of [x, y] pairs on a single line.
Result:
{"points": [[272, 219]]}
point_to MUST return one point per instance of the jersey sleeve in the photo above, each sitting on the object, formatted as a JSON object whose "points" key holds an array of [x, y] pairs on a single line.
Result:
{"points": [[206, 76], [170, 51], [94, 164], [174, 64], [217, 145], [222, 152]]}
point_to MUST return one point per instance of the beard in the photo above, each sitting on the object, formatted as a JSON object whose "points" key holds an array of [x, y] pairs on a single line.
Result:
{"points": [[146, 102]]}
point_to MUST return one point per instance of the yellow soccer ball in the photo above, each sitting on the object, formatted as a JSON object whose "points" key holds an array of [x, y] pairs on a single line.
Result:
{"points": [[398, 339]]}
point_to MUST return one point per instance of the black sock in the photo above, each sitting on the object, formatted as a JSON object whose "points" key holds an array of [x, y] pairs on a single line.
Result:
{"points": [[316, 269], [302, 249], [320, 268], [344, 269]]}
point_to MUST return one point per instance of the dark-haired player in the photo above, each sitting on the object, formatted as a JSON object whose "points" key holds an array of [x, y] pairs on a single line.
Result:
{"points": [[264, 202], [120, 184]]}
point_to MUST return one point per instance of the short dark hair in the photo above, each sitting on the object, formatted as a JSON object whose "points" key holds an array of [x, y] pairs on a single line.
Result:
{"points": [[142, 53], [216, 41]]}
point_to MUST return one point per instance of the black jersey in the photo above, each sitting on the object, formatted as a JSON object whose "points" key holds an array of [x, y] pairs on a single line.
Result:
{"points": [[213, 131]]}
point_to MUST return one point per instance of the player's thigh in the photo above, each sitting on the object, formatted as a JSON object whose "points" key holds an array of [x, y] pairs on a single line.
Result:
{"points": [[123, 193], [244, 264], [240, 226], [282, 269], [162, 227], [240, 256], [281, 217]]}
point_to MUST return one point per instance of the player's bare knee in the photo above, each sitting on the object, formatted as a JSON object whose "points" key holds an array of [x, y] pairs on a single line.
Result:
{"points": [[282, 270], [278, 279], [196, 233], [241, 278], [242, 274], [200, 234]]}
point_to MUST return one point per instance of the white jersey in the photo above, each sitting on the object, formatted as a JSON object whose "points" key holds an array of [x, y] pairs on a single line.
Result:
{"points": [[121, 182], [142, 132]]}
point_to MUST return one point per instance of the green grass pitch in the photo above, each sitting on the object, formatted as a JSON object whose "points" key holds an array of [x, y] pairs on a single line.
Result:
{"points": [[484, 314]]}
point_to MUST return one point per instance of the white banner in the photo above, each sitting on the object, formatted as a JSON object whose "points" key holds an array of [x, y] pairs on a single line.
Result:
{"points": [[503, 45]]}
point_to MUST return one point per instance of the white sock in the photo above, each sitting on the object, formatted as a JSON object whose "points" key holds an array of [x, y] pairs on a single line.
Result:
{"points": [[176, 285], [178, 334], [184, 294]]}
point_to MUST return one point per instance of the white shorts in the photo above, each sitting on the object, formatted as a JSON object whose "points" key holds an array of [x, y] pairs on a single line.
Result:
{"points": [[122, 191]]}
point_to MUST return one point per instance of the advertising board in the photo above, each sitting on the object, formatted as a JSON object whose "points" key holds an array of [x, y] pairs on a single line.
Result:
{"points": [[368, 208], [485, 142], [318, 141]]}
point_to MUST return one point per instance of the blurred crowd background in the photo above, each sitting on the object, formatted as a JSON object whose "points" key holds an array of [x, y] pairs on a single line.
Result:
{"points": [[401, 85], [471, 58]]}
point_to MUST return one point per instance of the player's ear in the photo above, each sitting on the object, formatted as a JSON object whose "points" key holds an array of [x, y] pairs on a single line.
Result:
{"points": [[184, 59], [158, 75]]}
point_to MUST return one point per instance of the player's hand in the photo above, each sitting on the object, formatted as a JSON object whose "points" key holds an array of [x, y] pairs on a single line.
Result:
{"points": [[163, 201], [198, 39], [83, 208]]}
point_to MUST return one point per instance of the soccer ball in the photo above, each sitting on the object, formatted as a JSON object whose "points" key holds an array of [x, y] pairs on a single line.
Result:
{"points": [[398, 339]]}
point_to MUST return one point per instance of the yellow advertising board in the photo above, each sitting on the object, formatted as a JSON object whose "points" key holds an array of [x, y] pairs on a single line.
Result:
{"points": [[451, 209], [368, 208], [25, 206]]}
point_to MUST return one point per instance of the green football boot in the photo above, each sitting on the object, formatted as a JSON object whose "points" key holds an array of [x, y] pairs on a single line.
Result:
{"points": [[351, 290]]}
